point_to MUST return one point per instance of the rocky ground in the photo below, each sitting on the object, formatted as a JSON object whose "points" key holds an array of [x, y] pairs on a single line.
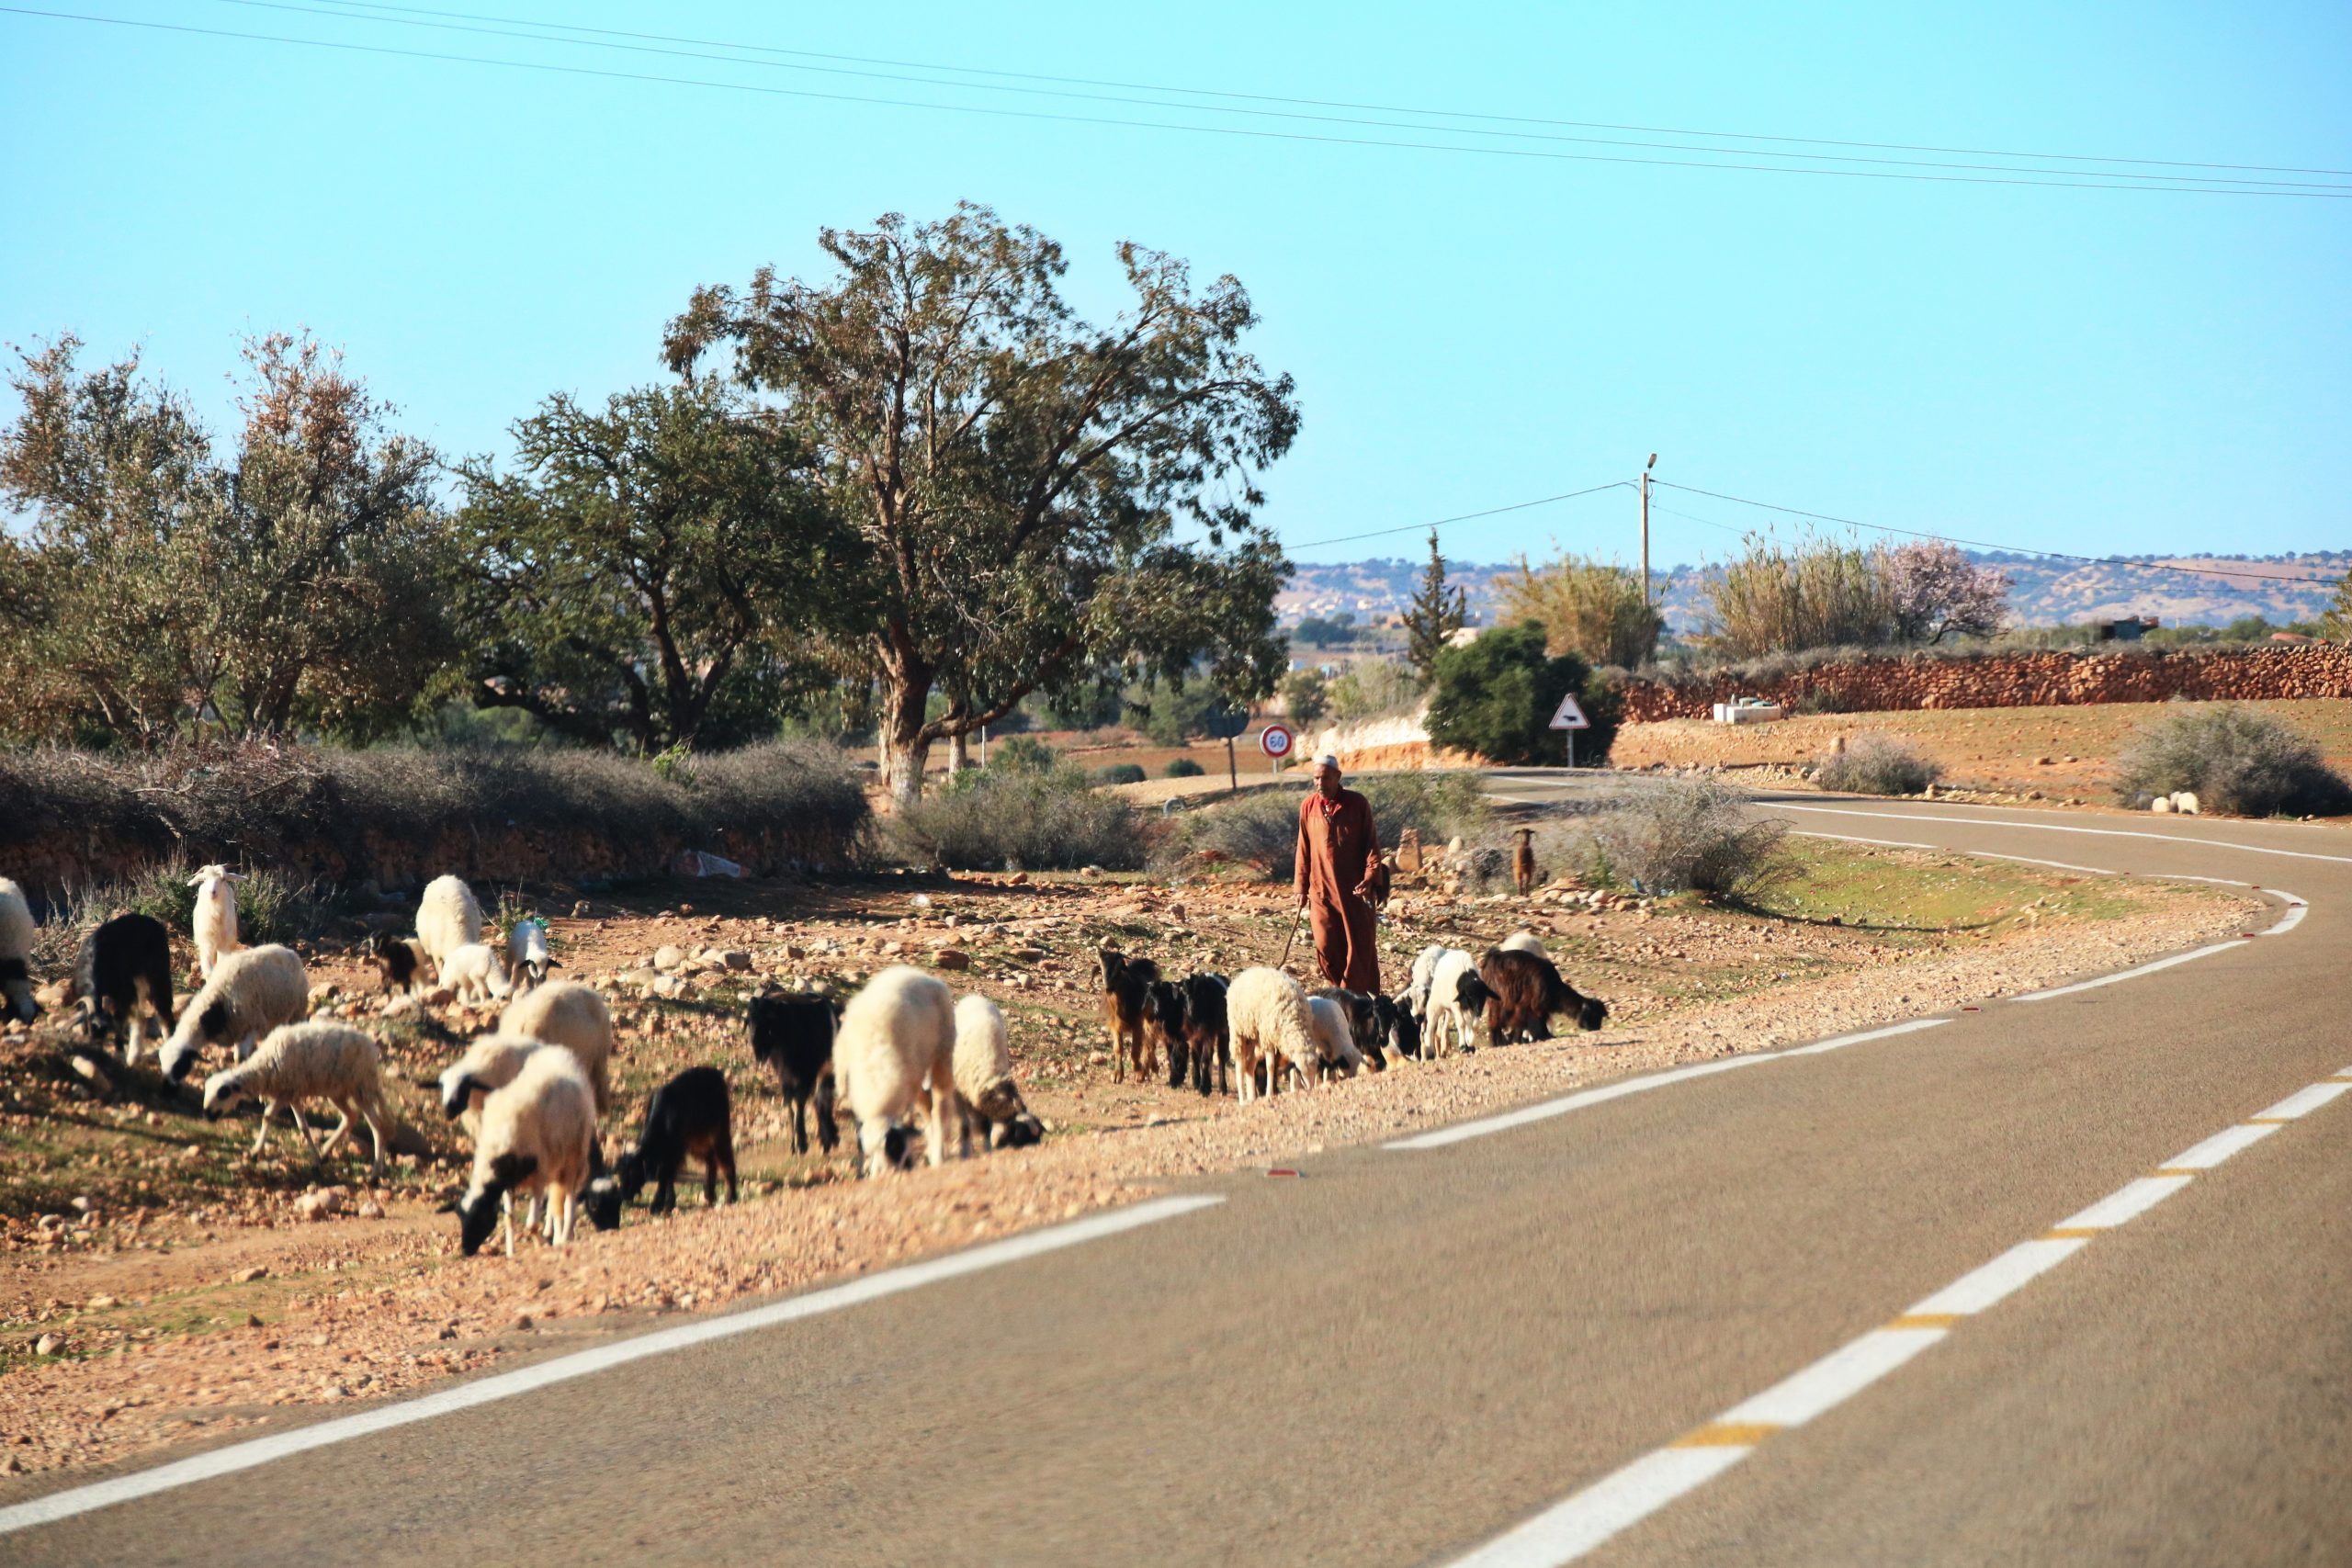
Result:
{"points": [[158, 1285]]}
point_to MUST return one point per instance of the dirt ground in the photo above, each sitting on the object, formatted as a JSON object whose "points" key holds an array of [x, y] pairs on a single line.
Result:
{"points": [[2062, 755], [158, 1284]]}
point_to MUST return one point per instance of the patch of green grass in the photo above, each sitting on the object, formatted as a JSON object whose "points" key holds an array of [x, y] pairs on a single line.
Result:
{"points": [[1913, 898]]}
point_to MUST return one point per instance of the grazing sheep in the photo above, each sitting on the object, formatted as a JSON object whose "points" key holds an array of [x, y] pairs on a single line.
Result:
{"points": [[446, 917], [490, 1063], [253, 991], [538, 1135], [1524, 940], [1335, 1045], [983, 1072], [575, 1017], [1206, 1039], [896, 1051], [793, 1035], [400, 962], [1457, 996], [318, 1060], [475, 973], [1268, 1020], [1126, 983], [1362, 1010], [213, 923], [17, 931], [1527, 991], [690, 1115], [527, 958], [123, 972]]}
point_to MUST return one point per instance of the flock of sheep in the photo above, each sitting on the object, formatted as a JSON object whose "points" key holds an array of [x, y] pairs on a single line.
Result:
{"points": [[904, 1053]]}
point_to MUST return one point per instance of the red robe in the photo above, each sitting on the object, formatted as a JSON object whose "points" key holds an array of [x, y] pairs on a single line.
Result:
{"points": [[1335, 854]]}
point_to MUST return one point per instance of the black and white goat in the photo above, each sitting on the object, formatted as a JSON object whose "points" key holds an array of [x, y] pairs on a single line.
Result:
{"points": [[124, 971]]}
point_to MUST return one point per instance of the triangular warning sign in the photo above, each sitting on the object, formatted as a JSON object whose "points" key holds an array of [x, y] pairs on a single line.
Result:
{"points": [[1570, 717]]}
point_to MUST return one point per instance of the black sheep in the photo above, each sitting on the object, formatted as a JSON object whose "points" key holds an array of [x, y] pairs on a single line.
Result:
{"points": [[1527, 991], [794, 1034], [690, 1115], [125, 966]]}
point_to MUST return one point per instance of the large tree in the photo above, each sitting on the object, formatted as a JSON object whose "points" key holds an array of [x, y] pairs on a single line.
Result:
{"points": [[1591, 608], [297, 586], [645, 579], [1017, 476]]}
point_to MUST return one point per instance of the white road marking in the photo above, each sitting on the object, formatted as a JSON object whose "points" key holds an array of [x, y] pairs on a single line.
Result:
{"points": [[2063, 827], [561, 1369], [2130, 974], [1946, 849], [1570, 1528], [1839, 1043], [2295, 909]]}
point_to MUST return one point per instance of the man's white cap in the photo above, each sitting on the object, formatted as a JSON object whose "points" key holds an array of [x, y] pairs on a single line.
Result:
{"points": [[1327, 761]]}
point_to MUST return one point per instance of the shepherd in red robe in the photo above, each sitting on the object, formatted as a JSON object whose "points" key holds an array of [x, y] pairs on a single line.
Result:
{"points": [[1338, 849]]}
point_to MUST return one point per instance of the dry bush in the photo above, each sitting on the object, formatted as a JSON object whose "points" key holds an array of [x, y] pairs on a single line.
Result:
{"points": [[1778, 597], [2236, 759], [1590, 608], [1023, 818], [1873, 764], [1697, 836]]}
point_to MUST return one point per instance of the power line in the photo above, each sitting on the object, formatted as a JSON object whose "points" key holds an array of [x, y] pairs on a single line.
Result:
{"points": [[1258, 134], [1464, 517], [371, 6], [407, 17], [1982, 544]]}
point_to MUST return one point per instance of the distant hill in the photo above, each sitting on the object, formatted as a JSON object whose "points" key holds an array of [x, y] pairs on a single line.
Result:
{"points": [[2043, 592]]}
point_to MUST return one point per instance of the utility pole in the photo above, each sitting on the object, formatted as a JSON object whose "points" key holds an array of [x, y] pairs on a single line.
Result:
{"points": [[1645, 529]]}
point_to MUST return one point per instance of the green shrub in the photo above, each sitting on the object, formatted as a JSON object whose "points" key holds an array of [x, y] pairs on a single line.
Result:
{"points": [[1120, 773], [1874, 763], [2234, 759], [1688, 837], [1184, 768], [1495, 697], [1019, 819], [1023, 754]]}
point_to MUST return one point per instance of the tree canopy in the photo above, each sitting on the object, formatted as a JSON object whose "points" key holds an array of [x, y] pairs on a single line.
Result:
{"points": [[1494, 696]]}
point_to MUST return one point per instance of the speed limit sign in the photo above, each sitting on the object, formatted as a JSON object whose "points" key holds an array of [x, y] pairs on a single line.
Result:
{"points": [[1276, 740]]}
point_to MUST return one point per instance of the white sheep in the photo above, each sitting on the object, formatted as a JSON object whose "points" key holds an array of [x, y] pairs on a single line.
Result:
{"points": [[538, 1135], [475, 973], [254, 990], [17, 932], [527, 958], [575, 1017], [1416, 991], [213, 922], [318, 1060], [490, 1063], [1457, 996], [1335, 1043], [1267, 1019], [898, 1040], [984, 1075], [1524, 941], [446, 917]]}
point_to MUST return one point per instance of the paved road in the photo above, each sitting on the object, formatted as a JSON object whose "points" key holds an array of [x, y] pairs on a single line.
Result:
{"points": [[1408, 1354]]}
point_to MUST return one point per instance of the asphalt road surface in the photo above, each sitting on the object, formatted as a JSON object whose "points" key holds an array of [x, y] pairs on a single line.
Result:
{"points": [[1922, 1299]]}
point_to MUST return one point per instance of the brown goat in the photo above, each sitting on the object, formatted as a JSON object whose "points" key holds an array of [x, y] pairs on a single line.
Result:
{"points": [[1126, 983], [1522, 861], [1527, 991]]}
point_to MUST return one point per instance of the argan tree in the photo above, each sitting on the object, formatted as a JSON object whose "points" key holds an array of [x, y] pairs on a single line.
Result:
{"points": [[1016, 476], [1436, 613]]}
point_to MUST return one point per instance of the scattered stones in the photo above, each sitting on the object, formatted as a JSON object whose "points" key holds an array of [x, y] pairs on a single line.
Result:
{"points": [[952, 958], [668, 957]]}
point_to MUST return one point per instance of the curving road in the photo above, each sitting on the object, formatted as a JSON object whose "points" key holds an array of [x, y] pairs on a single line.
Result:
{"points": [[2059, 1280]]}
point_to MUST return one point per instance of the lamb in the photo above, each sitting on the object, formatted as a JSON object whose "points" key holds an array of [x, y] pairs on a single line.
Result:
{"points": [[538, 1135], [1457, 996], [793, 1035], [446, 917], [124, 970], [983, 1073], [475, 973], [1126, 983], [1524, 940], [690, 1115], [318, 1060], [1527, 991], [17, 932], [400, 962], [1362, 1010], [527, 959], [490, 1063], [1267, 1019], [1335, 1045], [896, 1051], [253, 991], [575, 1017], [213, 922]]}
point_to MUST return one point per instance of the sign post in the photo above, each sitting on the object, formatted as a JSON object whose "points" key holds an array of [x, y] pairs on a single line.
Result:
{"points": [[1571, 718], [1275, 740]]}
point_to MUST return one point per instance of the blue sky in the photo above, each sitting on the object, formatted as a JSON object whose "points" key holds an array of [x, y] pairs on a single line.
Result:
{"points": [[2090, 370]]}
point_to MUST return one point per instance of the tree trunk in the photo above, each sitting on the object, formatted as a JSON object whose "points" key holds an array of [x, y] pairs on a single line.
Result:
{"points": [[905, 747], [959, 753]]}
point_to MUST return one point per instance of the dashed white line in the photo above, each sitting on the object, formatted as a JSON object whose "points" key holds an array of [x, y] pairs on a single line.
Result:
{"points": [[2126, 1204], [2222, 1146], [2302, 1102], [561, 1369], [1566, 1532], [1987, 1283], [1833, 1379]]}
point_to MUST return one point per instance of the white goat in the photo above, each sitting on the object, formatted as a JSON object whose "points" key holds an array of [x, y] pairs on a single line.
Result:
{"points": [[1335, 1043], [527, 959], [575, 1017], [1267, 1019], [475, 973], [254, 990], [318, 1060], [895, 1049], [17, 932], [1457, 996], [446, 917], [213, 922], [538, 1135]]}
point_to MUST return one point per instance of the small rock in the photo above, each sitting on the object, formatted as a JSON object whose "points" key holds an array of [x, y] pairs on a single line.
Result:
{"points": [[952, 958], [1019, 879], [668, 957], [247, 1275], [49, 1345], [737, 960], [521, 1320], [253, 1320], [100, 1304]]}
